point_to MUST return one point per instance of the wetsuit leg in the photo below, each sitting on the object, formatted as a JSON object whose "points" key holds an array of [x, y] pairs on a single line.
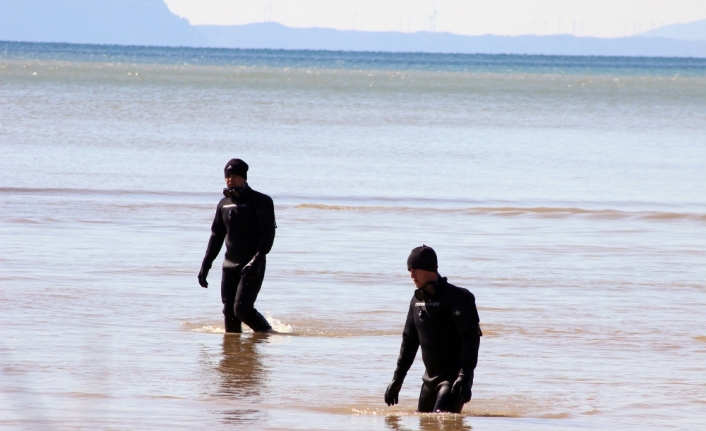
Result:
{"points": [[229, 287], [439, 399], [445, 400], [245, 297], [427, 399]]}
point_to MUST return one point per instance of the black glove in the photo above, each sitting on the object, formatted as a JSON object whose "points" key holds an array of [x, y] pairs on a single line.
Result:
{"points": [[462, 388], [203, 273], [393, 391], [252, 268]]}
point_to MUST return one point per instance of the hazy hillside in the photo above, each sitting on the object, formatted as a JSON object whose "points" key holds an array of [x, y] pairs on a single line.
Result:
{"points": [[126, 22], [273, 35], [150, 22], [690, 31]]}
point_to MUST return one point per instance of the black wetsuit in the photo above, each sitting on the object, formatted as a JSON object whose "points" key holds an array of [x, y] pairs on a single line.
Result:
{"points": [[446, 326], [248, 227]]}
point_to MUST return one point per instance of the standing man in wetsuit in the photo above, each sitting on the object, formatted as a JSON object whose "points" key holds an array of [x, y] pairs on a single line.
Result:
{"points": [[245, 219], [443, 320]]}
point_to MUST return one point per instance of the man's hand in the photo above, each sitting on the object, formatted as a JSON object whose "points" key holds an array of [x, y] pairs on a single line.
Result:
{"points": [[393, 391], [462, 388], [203, 273], [252, 268]]}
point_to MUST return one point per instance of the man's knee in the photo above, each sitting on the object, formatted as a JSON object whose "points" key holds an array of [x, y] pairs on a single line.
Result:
{"points": [[228, 310], [243, 310]]}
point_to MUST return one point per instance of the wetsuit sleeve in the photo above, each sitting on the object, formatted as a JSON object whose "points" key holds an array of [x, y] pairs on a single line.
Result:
{"points": [[218, 234], [266, 221], [468, 325], [410, 345]]}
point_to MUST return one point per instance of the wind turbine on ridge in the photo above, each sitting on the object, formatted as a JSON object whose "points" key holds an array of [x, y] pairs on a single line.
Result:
{"points": [[432, 20]]}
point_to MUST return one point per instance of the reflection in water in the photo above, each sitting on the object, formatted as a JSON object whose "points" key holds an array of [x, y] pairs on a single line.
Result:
{"points": [[431, 422], [243, 376]]}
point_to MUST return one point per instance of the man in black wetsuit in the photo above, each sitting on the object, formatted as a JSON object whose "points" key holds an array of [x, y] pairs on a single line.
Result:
{"points": [[245, 219], [443, 320]]}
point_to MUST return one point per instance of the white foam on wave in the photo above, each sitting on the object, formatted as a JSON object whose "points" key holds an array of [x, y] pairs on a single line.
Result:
{"points": [[211, 327], [203, 327], [278, 325]]}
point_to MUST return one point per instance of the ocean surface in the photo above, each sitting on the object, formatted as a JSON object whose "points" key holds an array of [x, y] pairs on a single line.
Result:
{"points": [[567, 193]]}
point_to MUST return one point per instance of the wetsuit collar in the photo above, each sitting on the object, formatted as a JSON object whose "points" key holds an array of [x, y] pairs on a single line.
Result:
{"points": [[244, 190], [434, 287], [429, 289], [236, 193]]}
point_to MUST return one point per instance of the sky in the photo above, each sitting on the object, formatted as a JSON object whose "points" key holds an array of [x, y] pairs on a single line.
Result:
{"points": [[599, 18]]}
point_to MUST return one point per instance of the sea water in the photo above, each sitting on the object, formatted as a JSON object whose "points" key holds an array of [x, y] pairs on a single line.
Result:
{"points": [[568, 194]]}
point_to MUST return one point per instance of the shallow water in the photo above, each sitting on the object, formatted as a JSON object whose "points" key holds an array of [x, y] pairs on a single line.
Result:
{"points": [[569, 200]]}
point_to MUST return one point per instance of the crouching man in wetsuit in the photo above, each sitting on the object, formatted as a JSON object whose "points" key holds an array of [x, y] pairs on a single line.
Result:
{"points": [[443, 320], [245, 219]]}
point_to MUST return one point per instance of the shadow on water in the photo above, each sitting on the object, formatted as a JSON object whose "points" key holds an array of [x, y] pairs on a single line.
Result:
{"points": [[242, 377], [430, 422]]}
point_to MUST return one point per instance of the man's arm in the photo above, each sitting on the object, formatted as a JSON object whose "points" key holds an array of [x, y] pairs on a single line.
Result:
{"points": [[467, 323], [215, 242], [265, 214], [266, 222], [410, 345], [408, 350]]}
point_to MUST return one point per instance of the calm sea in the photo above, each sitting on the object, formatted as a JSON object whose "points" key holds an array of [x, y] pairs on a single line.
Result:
{"points": [[567, 193]]}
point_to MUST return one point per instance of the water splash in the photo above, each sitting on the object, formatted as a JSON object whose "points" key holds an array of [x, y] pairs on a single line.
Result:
{"points": [[278, 325], [212, 327]]}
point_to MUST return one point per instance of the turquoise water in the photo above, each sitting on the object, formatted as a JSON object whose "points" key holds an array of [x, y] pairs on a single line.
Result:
{"points": [[661, 66], [566, 193]]}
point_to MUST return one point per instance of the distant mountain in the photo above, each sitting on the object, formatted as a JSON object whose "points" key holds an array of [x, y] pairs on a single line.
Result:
{"points": [[124, 22], [277, 36], [150, 22], [690, 31]]}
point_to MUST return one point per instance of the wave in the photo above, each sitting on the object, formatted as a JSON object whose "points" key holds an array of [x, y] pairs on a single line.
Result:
{"points": [[30, 220], [515, 406], [103, 192], [52, 220], [399, 205], [303, 328], [428, 420], [545, 212], [213, 327]]}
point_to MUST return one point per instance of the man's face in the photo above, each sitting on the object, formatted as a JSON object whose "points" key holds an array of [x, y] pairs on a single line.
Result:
{"points": [[233, 180], [422, 277]]}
